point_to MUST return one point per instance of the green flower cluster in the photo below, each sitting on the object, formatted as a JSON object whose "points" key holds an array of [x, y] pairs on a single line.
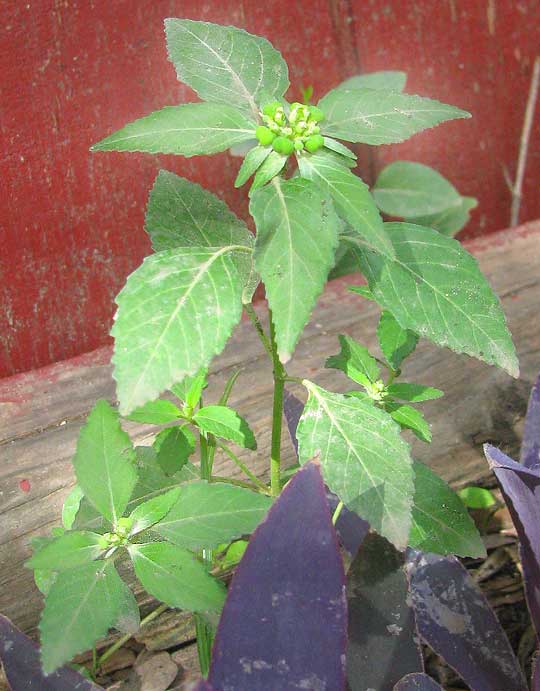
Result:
{"points": [[293, 131], [120, 535]]}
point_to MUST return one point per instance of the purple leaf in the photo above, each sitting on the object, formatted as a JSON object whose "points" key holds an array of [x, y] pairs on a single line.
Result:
{"points": [[417, 682], [535, 681], [381, 622], [292, 410], [22, 665], [455, 619], [285, 618], [530, 447], [521, 490], [351, 529]]}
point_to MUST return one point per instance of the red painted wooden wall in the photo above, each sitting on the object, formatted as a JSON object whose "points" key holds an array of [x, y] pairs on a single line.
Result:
{"points": [[74, 70]]}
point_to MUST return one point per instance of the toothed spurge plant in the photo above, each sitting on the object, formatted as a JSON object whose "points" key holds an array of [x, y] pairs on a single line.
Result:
{"points": [[176, 521]]}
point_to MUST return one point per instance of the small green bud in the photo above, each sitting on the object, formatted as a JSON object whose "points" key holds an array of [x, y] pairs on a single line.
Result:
{"points": [[283, 146], [298, 144], [279, 116], [270, 108], [264, 135], [314, 143], [316, 113]]}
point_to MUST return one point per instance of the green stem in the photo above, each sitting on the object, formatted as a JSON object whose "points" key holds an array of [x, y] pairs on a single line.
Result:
{"points": [[250, 311], [205, 640], [242, 466], [277, 415], [124, 639], [337, 512], [240, 483]]}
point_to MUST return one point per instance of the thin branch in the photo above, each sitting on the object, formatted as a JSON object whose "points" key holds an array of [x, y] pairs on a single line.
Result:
{"points": [[524, 143]]}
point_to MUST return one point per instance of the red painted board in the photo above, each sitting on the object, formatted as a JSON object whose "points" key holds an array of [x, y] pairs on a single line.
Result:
{"points": [[75, 70]]}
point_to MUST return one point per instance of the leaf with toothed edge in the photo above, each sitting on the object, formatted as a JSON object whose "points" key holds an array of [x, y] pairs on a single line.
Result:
{"points": [[82, 604], [297, 231], [351, 196], [351, 529], [181, 213], [175, 313], [270, 593], [396, 343], [375, 116], [226, 65], [363, 457], [435, 288], [191, 129], [387, 80]]}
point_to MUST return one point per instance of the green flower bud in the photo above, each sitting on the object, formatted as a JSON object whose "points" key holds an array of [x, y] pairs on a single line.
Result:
{"points": [[314, 143], [270, 108], [286, 131], [298, 144], [279, 116], [316, 113], [283, 146], [264, 135]]}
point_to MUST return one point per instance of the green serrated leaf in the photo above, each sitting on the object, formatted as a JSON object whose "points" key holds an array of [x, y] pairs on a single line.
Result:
{"points": [[345, 262], [173, 575], [153, 510], [71, 506], [449, 221], [339, 148], [354, 359], [410, 418], [272, 165], [128, 619], [373, 116], [351, 196], [175, 313], [297, 234], [173, 448], [396, 343], [440, 522], [105, 462], [67, 551], [435, 288], [209, 514], [363, 457], [387, 80], [411, 189], [476, 497], [190, 389], [44, 578], [181, 213], [226, 423], [81, 606], [192, 129], [227, 65], [253, 160], [416, 393], [156, 413]]}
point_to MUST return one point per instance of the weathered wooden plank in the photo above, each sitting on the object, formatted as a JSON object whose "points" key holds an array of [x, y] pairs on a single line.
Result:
{"points": [[41, 412]]}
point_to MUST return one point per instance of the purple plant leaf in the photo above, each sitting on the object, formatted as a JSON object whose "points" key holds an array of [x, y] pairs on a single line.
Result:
{"points": [[535, 681], [284, 623], [292, 410], [530, 446], [22, 665], [383, 641], [351, 529], [417, 682], [455, 619], [521, 490]]}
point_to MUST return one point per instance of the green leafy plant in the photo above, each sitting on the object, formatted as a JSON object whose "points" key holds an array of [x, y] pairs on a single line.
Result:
{"points": [[314, 218]]}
